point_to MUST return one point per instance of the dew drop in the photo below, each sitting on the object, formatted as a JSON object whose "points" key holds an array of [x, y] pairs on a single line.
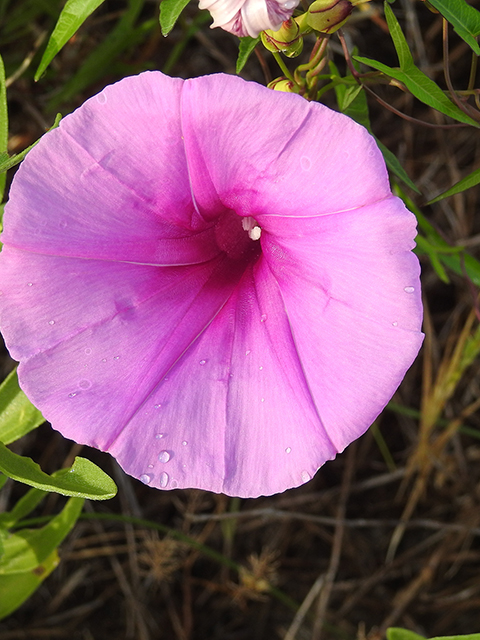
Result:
{"points": [[163, 456], [104, 359], [85, 384], [146, 478], [288, 450], [184, 443], [158, 406], [409, 289], [116, 358], [248, 352], [202, 362], [150, 466], [72, 395], [29, 284], [263, 317], [101, 98], [305, 163], [51, 322], [260, 368], [163, 479], [395, 324], [306, 476], [174, 484], [262, 400], [88, 352], [159, 436]]}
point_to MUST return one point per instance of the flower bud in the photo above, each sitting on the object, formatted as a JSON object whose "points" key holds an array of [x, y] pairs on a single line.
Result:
{"points": [[283, 84], [327, 16], [287, 39]]}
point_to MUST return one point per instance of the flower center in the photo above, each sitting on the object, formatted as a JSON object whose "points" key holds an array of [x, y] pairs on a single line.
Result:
{"points": [[231, 237]]}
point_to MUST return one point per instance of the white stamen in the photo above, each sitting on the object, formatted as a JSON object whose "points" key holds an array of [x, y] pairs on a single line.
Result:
{"points": [[250, 224]]}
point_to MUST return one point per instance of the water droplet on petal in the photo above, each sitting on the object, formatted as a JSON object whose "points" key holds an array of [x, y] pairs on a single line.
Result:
{"points": [[247, 352], [163, 456], [306, 476], [288, 450], [72, 395], [174, 484], [409, 289], [159, 435], [157, 406], [202, 362], [263, 317], [184, 443], [51, 322], [290, 4], [29, 284], [85, 384], [88, 352], [146, 478], [305, 163], [104, 359], [262, 400], [395, 324], [163, 479], [101, 98], [150, 466], [116, 357], [260, 368]]}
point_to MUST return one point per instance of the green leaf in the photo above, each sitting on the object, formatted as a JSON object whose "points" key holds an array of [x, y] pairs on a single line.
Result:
{"points": [[24, 550], [395, 633], [18, 416], [84, 479], [395, 167], [423, 88], [465, 183], [7, 162], [170, 11], [73, 15], [399, 41], [18, 587], [471, 636], [464, 18], [22, 508], [245, 48], [3, 124]]}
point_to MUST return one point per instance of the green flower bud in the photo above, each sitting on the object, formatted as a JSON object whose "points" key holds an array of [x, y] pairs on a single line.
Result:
{"points": [[287, 39], [327, 16], [283, 84]]}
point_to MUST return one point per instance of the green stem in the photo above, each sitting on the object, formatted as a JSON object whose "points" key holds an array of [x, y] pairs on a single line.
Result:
{"points": [[283, 66]]}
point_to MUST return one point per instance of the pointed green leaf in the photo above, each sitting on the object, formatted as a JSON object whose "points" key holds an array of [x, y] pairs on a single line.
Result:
{"points": [[399, 41], [245, 48], [15, 588], [170, 11], [27, 548], [423, 88], [18, 416], [465, 183], [73, 15], [84, 479], [395, 167], [464, 18]]}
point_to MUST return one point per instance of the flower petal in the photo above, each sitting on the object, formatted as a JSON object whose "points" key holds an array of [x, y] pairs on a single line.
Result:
{"points": [[275, 155]]}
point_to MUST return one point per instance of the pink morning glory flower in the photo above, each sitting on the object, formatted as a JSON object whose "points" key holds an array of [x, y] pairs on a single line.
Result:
{"points": [[249, 17], [210, 280]]}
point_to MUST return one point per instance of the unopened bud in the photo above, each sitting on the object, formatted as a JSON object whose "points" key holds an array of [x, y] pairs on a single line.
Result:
{"points": [[327, 16], [287, 39], [283, 84]]}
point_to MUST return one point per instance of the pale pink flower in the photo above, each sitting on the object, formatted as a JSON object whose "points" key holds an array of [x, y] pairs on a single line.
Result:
{"points": [[248, 17]]}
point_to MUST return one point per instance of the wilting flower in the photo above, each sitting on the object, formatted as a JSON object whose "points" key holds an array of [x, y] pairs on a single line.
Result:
{"points": [[210, 280], [249, 17]]}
